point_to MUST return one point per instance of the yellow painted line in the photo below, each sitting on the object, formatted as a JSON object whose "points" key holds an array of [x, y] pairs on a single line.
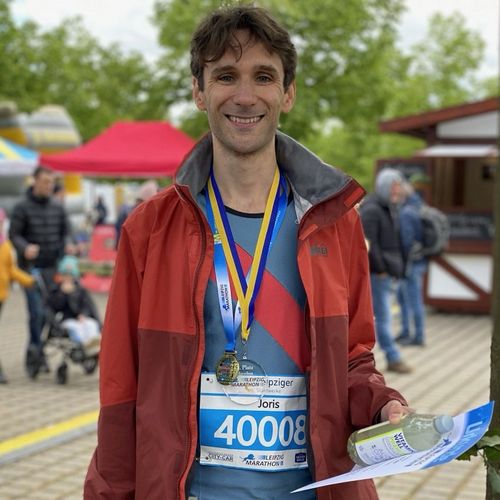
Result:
{"points": [[48, 432]]}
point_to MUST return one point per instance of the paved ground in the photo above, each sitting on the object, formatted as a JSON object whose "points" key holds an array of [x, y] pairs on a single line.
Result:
{"points": [[451, 375]]}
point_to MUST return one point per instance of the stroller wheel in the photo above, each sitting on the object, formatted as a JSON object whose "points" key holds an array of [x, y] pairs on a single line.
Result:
{"points": [[89, 365], [62, 374], [33, 362]]}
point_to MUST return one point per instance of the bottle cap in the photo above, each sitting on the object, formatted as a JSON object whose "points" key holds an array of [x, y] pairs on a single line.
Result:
{"points": [[443, 424]]}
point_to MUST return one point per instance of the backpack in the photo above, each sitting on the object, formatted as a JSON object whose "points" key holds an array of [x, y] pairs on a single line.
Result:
{"points": [[436, 233]]}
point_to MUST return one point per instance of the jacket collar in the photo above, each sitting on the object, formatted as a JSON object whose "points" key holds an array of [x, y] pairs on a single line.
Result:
{"points": [[41, 200], [312, 180]]}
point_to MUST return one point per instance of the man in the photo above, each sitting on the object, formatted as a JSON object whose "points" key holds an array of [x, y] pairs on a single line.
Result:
{"points": [[410, 291], [380, 216], [176, 420], [40, 232]]}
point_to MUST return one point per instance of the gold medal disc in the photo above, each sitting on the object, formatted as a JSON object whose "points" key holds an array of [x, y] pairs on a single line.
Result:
{"points": [[227, 368]]}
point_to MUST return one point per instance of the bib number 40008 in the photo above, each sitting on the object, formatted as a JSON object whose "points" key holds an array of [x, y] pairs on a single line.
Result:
{"points": [[267, 432]]}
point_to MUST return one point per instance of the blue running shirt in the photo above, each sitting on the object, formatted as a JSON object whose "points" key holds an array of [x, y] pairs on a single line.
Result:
{"points": [[277, 342]]}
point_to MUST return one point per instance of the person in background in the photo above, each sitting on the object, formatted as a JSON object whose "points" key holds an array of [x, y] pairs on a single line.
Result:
{"points": [[9, 272], [73, 301], [146, 191], [380, 217], [246, 197], [100, 211], [41, 233], [59, 192], [410, 291]]}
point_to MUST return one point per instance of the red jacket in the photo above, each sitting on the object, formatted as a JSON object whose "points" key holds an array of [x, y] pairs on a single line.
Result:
{"points": [[153, 339]]}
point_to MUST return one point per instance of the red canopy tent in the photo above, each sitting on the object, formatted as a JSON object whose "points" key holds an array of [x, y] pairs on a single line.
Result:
{"points": [[140, 149]]}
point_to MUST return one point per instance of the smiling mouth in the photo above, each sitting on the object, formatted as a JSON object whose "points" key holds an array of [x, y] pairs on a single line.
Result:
{"points": [[244, 120]]}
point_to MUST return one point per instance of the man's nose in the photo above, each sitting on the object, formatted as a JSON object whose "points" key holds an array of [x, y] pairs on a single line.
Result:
{"points": [[245, 93]]}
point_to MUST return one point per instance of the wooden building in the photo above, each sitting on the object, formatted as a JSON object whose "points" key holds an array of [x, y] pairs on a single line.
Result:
{"points": [[460, 159]]}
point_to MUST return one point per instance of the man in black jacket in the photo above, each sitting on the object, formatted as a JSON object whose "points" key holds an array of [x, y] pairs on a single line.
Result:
{"points": [[40, 232], [380, 218]]}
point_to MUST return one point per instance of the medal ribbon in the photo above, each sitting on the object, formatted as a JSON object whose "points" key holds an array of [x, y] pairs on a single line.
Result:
{"points": [[226, 256]]}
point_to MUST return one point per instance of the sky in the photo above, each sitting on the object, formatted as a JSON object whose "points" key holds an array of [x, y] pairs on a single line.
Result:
{"points": [[127, 21]]}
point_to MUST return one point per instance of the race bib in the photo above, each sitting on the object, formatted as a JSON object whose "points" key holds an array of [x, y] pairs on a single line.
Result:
{"points": [[267, 435]]}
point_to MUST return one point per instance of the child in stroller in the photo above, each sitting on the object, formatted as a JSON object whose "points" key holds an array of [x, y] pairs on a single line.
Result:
{"points": [[73, 321]]}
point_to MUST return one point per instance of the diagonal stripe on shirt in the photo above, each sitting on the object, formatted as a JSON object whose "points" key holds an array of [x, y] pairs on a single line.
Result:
{"points": [[279, 314]]}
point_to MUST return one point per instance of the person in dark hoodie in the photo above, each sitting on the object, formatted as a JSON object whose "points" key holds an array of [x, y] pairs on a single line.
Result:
{"points": [[380, 219], [41, 234]]}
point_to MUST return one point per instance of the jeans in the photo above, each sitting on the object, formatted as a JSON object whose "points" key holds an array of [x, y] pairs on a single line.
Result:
{"points": [[411, 301], [381, 296], [36, 315]]}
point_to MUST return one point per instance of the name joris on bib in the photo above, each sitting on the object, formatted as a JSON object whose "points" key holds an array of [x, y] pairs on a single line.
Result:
{"points": [[267, 435]]}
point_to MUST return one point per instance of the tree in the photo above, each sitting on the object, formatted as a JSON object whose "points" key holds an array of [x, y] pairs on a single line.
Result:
{"points": [[66, 65], [431, 75], [488, 87], [440, 70]]}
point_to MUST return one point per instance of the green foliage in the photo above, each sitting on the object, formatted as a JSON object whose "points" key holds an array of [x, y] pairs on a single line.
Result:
{"points": [[66, 65], [488, 447], [439, 71], [355, 150], [488, 87]]}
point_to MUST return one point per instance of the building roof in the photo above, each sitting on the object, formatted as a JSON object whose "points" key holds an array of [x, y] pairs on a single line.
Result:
{"points": [[421, 124]]}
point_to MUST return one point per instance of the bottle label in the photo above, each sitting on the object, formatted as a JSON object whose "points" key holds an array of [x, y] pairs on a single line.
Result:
{"points": [[384, 447]]}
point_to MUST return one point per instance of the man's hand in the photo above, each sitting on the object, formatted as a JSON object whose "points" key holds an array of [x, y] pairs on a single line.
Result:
{"points": [[393, 411], [31, 251]]}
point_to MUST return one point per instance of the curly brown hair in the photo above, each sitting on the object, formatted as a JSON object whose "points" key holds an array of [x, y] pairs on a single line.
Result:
{"points": [[216, 33]]}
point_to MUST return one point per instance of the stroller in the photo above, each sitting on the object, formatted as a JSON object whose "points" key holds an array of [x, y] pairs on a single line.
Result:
{"points": [[62, 335]]}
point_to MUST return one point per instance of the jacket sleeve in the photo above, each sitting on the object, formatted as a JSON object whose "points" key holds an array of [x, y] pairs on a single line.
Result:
{"points": [[111, 474], [367, 390], [16, 274]]}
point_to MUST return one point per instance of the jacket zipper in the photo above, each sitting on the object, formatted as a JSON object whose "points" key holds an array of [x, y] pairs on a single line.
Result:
{"points": [[307, 320], [188, 199]]}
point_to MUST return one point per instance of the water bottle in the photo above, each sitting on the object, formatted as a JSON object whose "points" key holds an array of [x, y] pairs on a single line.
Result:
{"points": [[415, 432]]}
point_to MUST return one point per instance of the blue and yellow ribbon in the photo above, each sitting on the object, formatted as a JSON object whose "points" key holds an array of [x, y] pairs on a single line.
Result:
{"points": [[246, 288]]}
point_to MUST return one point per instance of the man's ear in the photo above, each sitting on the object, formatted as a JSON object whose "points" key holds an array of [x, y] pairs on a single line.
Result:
{"points": [[289, 98], [198, 96]]}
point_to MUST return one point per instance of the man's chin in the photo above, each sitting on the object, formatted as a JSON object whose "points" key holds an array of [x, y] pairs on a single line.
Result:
{"points": [[246, 148]]}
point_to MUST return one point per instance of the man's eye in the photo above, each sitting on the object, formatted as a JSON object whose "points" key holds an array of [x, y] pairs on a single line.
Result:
{"points": [[225, 78], [264, 78]]}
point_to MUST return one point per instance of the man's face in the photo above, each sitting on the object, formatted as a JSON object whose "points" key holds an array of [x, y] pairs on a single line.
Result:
{"points": [[244, 98], [397, 192], [44, 184]]}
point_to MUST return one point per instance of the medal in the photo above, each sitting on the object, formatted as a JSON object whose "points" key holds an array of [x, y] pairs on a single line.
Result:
{"points": [[227, 263], [227, 368], [249, 385]]}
